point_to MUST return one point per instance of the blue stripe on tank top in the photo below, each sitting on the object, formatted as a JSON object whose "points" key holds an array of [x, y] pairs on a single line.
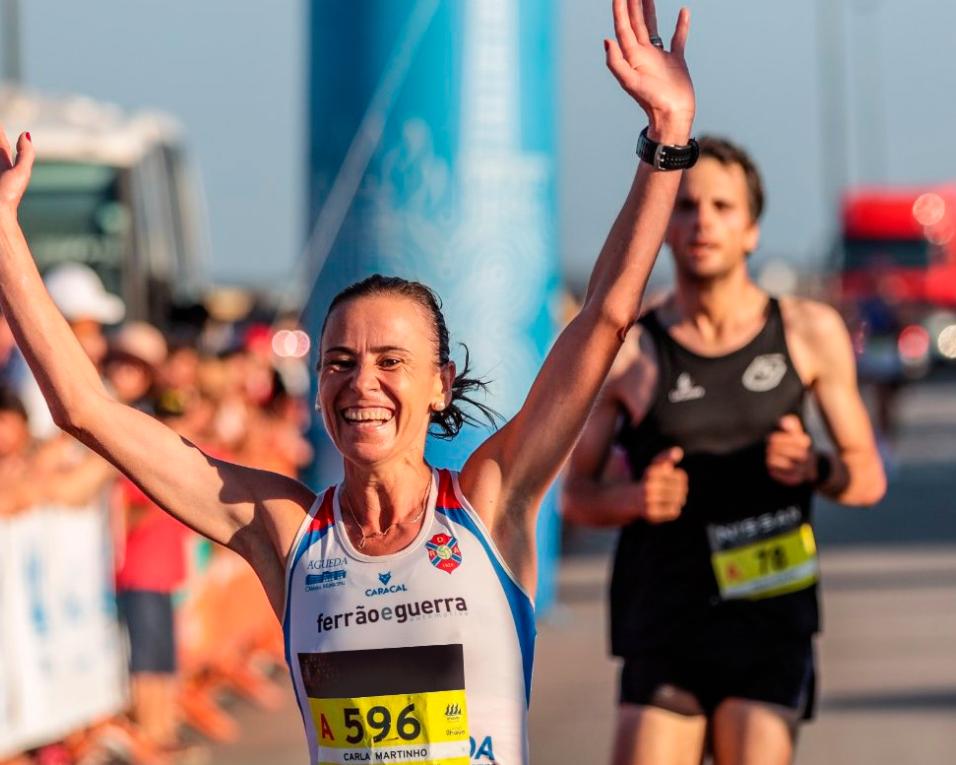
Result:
{"points": [[521, 609], [315, 535]]}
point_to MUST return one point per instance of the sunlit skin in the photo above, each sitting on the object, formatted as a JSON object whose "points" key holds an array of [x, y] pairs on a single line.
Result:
{"points": [[379, 381], [711, 230]]}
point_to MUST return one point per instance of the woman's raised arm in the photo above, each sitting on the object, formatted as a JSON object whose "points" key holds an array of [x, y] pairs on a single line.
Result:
{"points": [[254, 512], [508, 475]]}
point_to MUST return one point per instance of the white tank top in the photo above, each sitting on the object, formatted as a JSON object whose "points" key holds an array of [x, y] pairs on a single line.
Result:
{"points": [[422, 656]]}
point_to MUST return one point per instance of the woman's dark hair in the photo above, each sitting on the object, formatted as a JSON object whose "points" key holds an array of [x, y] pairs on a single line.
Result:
{"points": [[449, 421]]}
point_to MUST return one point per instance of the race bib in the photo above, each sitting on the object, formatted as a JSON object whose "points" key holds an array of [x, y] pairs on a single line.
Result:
{"points": [[388, 705], [765, 556]]}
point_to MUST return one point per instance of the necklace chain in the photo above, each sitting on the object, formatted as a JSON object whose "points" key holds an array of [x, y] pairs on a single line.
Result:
{"points": [[375, 534]]}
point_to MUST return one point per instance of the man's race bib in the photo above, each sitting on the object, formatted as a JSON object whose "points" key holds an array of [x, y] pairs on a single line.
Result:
{"points": [[765, 556], [388, 705]]}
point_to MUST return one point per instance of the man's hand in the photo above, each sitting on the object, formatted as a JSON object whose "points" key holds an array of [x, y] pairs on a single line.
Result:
{"points": [[657, 79], [790, 456], [663, 488]]}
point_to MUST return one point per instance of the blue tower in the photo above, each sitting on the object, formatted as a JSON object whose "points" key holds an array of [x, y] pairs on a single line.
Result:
{"points": [[432, 158]]}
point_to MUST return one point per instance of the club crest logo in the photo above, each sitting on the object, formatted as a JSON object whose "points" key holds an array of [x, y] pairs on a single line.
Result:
{"points": [[444, 552], [765, 372]]}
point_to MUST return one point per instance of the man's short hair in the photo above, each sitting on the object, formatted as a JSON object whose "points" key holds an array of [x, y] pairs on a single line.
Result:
{"points": [[728, 153]]}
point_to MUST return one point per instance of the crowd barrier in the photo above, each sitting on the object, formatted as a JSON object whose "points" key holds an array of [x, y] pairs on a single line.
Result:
{"points": [[63, 655]]}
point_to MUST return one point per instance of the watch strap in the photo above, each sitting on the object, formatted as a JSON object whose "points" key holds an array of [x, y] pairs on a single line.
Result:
{"points": [[663, 156]]}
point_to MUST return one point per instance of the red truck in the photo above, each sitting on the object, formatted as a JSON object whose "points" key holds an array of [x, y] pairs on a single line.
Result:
{"points": [[897, 277]]}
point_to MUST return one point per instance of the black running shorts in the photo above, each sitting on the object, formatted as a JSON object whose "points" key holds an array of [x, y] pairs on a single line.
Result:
{"points": [[777, 672]]}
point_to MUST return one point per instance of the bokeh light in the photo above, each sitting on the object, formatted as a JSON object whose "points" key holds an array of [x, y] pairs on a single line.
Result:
{"points": [[929, 209], [946, 342], [290, 343]]}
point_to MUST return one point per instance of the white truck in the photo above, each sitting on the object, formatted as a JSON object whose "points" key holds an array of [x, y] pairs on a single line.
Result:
{"points": [[114, 191]]}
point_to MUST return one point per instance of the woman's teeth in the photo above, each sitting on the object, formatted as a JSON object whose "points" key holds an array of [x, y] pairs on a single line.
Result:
{"points": [[367, 414]]}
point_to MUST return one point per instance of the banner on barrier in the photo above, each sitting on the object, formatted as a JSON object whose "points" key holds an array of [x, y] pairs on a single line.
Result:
{"points": [[62, 660]]}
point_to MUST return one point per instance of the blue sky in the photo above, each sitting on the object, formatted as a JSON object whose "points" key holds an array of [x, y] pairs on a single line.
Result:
{"points": [[234, 74]]}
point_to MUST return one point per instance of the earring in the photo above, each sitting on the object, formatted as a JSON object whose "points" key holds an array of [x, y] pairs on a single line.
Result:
{"points": [[438, 407]]}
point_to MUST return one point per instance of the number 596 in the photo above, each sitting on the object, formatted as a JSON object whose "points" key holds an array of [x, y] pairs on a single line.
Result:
{"points": [[379, 718]]}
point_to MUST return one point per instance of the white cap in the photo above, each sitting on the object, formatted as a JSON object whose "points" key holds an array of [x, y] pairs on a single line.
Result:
{"points": [[141, 341], [79, 294]]}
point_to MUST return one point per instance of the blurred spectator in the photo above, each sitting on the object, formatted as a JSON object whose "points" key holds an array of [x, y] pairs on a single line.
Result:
{"points": [[80, 475], [136, 355], [235, 404], [14, 432], [180, 372], [15, 445], [13, 368], [87, 306], [150, 568], [275, 433], [33, 474]]}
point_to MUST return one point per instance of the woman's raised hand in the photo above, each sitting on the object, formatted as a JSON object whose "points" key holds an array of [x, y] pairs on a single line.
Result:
{"points": [[14, 172], [657, 79]]}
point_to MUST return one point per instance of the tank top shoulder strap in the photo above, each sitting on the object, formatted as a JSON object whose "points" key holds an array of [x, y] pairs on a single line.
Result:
{"points": [[447, 496], [664, 345], [774, 328], [651, 323]]}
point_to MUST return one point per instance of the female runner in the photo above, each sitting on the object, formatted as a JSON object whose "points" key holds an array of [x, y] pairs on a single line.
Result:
{"points": [[404, 592]]}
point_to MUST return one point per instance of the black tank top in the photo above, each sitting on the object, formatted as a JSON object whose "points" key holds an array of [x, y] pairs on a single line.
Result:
{"points": [[719, 410]]}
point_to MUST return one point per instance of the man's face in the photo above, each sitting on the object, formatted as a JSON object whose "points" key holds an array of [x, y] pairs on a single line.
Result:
{"points": [[711, 230]]}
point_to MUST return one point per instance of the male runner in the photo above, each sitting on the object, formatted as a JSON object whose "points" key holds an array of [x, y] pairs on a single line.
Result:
{"points": [[713, 598]]}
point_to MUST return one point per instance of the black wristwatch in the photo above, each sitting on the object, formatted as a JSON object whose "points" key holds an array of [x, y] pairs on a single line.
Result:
{"points": [[664, 156]]}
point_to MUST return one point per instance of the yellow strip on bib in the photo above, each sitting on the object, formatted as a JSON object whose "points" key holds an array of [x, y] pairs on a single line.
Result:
{"points": [[774, 566], [430, 728]]}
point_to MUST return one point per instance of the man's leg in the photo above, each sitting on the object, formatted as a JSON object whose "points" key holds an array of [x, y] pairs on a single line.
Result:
{"points": [[672, 733], [753, 733]]}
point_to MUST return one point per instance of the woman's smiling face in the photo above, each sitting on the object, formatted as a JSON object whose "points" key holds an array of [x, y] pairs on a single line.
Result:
{"points": [[379, 378]]}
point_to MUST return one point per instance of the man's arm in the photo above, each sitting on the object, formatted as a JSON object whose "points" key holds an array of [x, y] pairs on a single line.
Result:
{"points": [[856, 471], [585, 498], [588, 497]]}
